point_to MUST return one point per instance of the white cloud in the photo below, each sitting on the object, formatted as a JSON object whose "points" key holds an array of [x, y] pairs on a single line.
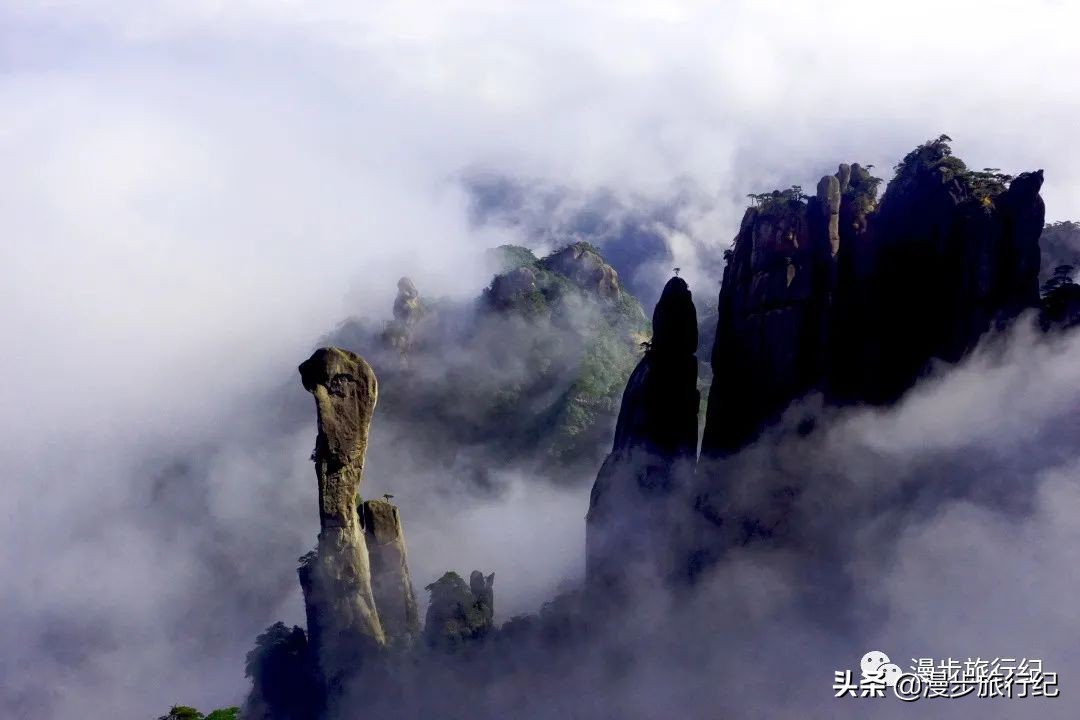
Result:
{"points": [[191, 192]]}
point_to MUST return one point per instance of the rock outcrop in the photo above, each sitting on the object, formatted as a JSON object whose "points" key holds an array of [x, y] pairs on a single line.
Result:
{"points": [[770, 315], [841, 295], [577, 266], [409, 312], [390, 580], [343, 622], [509, 286], [583, 265], [944, 258], [459, 613], [629, 525], [838, 294]]}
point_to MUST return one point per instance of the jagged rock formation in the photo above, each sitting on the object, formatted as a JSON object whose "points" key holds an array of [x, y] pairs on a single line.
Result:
{"points": [[943, 260], [343, 622], [483, 589], [770, 314], [839, 294], [629, 524], [407, 306], [583, 265], [390, 580], [531, 368], [532, 284], [856, 310], [515, 283], [459, 613], [409, 311]]}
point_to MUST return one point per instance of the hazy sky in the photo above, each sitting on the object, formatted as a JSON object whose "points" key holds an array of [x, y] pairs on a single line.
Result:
{"points": [[191, 192]]}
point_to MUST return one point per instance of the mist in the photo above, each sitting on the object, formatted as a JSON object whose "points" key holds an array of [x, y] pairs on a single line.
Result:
{"points": [[193, 195], [929, 530]]}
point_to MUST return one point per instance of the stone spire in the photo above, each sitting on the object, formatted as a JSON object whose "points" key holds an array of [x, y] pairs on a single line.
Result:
{"points": [[343, 623], [390, 579], [629, 523]]}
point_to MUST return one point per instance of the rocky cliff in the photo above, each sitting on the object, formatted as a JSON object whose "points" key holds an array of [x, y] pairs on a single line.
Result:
{"points": [[343, 621], [391, 583], [852, 297], [630, 525]]}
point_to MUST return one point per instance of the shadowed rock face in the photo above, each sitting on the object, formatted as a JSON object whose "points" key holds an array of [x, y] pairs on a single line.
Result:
{"points": [[629, 524], [771, 316], [934, 270], [854, 299], [390, 580], [840, 295], [343, 624], [459, 613]]}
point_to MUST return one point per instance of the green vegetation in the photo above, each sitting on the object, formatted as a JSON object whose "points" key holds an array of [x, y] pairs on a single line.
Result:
{"points": [[1067, 228], [778, 201], [1060, 298], [987, 182], [531, 372], [283, 683], [541, 371], [182, 712], [230, 713], [510, 257], [546, 291], [932, 155], [455, 616], [935, 156], [1061, 277], [605, 321], [862, 189], [1059, 245], [606, 364]]}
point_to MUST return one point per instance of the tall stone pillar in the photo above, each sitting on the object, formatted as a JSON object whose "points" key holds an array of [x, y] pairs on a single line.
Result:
{"points": [[343, 623], [390, 579]]}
